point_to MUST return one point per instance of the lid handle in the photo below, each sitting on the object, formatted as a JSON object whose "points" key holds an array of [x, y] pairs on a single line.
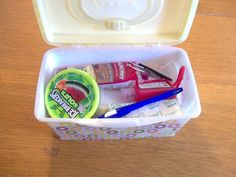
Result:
{"points": [[115, 25]]}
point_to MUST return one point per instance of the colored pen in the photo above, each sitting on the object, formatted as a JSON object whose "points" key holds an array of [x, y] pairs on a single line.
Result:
{"points": [[120, 112]]}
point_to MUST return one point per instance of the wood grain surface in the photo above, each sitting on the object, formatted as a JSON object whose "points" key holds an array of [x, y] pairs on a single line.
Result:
{"points": [[205, 147]]}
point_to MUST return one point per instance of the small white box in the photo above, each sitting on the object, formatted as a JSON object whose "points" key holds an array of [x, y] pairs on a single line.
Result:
{"points": [[60, 25]]}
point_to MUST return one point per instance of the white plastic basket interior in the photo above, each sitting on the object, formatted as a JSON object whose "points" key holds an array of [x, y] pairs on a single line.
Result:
{"points": [[165, 59]]}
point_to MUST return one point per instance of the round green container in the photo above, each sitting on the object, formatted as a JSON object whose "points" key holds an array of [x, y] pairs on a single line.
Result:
{"points": [[72, 93]]}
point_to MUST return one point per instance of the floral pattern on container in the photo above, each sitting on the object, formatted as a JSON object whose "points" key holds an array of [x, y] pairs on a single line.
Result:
{"points": [[72, 131]]}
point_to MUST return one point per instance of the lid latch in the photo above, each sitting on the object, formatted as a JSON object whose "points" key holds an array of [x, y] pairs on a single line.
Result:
{"points": [[116, 25]]}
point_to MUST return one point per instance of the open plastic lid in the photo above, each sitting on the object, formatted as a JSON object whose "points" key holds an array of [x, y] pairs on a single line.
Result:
{"points": [[73, 22]]}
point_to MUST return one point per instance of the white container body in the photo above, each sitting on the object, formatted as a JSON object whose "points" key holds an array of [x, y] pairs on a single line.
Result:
{"points": [[168, 60]]}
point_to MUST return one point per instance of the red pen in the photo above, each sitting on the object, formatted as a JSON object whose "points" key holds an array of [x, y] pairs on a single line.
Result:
{"points": [[151, 88]]}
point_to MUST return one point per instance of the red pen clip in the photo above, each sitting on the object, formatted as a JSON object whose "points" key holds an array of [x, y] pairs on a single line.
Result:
{"points": [[180, 77]]}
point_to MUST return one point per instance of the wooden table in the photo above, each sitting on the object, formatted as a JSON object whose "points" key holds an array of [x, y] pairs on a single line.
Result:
{"points": [[205, 147]]}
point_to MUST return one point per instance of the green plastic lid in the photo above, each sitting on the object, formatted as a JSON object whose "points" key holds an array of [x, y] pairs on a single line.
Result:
{"points": [[72, 93]]}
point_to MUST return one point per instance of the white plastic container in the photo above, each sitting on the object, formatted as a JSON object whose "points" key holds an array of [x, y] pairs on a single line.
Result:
{"points": [[141, 31]]}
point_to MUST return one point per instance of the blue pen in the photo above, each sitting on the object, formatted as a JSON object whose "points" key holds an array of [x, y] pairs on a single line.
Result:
{"points": [[120, 112]]}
